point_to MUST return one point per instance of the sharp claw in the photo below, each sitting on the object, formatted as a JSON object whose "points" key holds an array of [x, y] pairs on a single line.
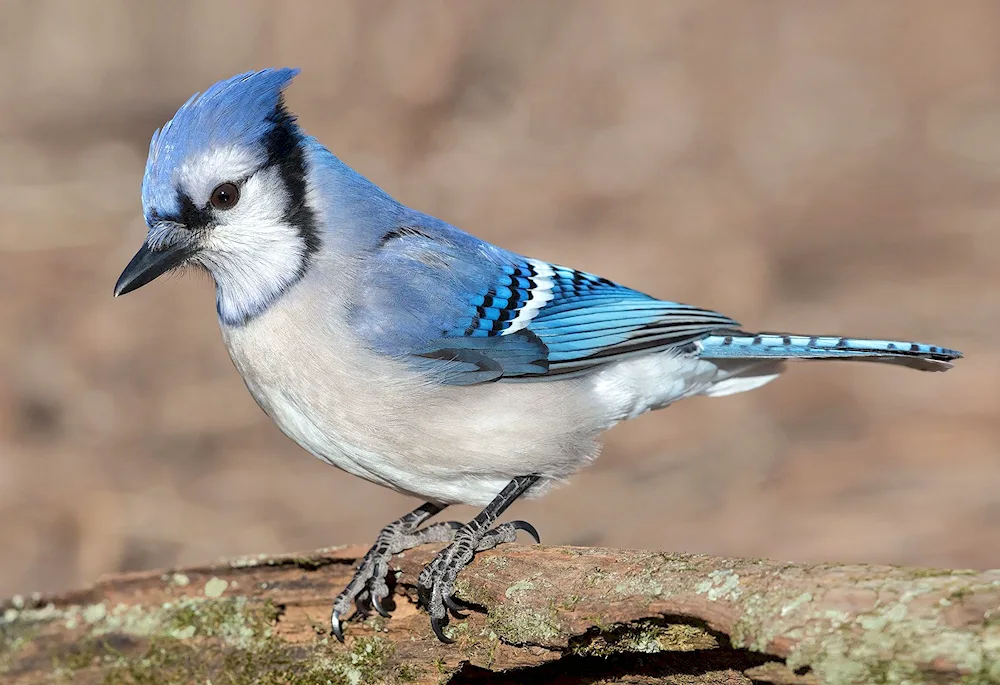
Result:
{"points": [[437, 625], [335, 626], [454, 607], [377, 604], [527, 528]]}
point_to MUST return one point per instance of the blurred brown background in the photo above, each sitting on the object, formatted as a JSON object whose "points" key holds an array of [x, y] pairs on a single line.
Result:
{"points": [[807, 166]]}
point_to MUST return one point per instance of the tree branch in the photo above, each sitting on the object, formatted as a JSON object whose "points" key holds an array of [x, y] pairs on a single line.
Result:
{"points": [[585, 615]]}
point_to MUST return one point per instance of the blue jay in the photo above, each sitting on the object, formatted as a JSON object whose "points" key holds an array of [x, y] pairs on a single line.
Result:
{"points": [[405, 351]]}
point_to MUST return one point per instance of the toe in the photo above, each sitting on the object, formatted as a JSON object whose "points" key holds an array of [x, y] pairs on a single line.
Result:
{"points": [[456, 609], [425, 580], [527, 528], [432, 571], [377, 605], [378, 590], [437, 625], [335, 625]]}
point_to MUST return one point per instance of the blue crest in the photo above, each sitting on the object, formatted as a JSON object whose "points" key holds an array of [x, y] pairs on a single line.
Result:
{"points": [[236, 111]]}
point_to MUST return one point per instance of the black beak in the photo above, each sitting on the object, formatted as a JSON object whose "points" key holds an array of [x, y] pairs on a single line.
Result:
{"points": [[146, 265]]}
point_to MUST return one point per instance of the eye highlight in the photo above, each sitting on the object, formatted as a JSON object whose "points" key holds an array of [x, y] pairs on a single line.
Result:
{"points": [[225, 196]]}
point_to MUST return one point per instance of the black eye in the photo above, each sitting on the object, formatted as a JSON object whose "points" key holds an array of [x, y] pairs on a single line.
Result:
{"points": [[225, 196]]}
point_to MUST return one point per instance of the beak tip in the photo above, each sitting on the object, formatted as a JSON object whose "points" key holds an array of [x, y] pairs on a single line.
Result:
{"points": [[147, 265], [122, 287]]}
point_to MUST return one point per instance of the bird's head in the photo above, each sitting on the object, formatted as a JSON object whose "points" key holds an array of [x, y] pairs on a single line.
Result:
{"points": [[225, 188]]}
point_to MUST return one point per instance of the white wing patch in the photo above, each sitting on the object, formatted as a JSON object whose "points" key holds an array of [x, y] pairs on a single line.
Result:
{"points": [[537, 298]]}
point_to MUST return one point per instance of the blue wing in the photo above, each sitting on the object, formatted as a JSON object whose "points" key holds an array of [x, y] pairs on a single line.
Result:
{"points": [[590, 321], [467, 312]]}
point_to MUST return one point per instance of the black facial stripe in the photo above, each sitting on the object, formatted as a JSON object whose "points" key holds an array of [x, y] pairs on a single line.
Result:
{"points": [[191, 216], [284, 151]]}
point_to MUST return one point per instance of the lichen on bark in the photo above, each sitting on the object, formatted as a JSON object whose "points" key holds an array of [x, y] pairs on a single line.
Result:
{"points": [[622, 614]]}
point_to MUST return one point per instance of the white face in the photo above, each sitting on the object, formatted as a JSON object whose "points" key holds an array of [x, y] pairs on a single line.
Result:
{"points": [[248, 244]]}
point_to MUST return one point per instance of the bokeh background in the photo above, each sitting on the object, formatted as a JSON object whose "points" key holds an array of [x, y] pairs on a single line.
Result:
{"points": [[807, 166]]}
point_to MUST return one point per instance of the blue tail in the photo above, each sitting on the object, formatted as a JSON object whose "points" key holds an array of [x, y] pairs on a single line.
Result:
{"points": [[742, 345]]}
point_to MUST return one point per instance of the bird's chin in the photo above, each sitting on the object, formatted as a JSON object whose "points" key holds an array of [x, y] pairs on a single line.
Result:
{"points": [[148, 264]]}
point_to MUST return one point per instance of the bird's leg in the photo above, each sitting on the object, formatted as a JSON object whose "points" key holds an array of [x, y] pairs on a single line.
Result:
{"points": [[369, 580], [437, 580]]}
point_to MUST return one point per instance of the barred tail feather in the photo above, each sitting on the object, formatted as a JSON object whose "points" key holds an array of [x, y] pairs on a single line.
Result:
{"points": [[742, 345]]}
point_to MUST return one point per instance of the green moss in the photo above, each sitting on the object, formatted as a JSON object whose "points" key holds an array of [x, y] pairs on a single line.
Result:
{"points": [[494, 562], [171, 662], [229, 639], [958, 594], [251, 561], [648, 636], [269, 661], [916, 573], [520, 624], [83, 654], [407, 673], [988, 674], [377, 624], [233, 620], [367, 660], [310, 563], [13, 637]]}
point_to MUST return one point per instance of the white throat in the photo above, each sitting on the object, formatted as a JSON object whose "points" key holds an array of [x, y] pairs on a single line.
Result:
{"points": [[253, 254]]}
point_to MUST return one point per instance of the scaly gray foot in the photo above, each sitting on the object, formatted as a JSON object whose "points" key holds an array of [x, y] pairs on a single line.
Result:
{"points": [[369, 582], [437, 581]]}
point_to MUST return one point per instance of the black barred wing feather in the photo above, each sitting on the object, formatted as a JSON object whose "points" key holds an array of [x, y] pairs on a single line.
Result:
{"points": [[540, 321], [590, 321]]}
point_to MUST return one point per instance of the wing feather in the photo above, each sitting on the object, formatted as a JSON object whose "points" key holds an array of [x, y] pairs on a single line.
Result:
{"points": [[466, 312], [580, 320]]}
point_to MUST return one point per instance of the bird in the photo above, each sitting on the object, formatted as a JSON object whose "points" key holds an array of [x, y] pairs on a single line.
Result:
{"points": [[407, 352]]}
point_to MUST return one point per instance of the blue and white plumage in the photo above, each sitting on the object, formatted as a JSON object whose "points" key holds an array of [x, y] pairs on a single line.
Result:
{"points": [[408, 352]]}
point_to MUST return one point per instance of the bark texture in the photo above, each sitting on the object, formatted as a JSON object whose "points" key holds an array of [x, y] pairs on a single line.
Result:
{"points": [[540, 614]]}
